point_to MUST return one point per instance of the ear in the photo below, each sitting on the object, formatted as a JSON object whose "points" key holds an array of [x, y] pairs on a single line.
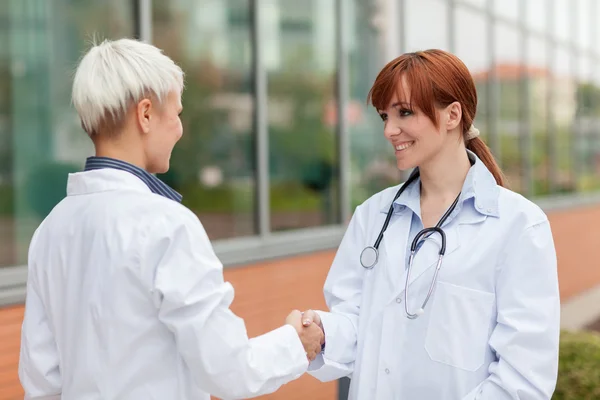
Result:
{"points": [[454, 115], [143, 112]]}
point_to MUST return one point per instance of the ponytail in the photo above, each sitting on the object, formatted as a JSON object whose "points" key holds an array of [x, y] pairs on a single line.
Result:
{"points": [[482, 151]]}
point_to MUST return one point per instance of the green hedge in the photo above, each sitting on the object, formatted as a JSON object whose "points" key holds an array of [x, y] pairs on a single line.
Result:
{"points": [[226, 199], [579, 367]]}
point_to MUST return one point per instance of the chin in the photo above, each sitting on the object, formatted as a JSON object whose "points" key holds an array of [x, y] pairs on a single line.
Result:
{"points": [[159, 169], [405, 166]]}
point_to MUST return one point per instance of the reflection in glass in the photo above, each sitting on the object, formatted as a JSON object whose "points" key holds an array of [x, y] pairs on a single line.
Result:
{"points": [[373, 163], [508, 9], [536, 15], [213, 164], [430, 35], [508, 71], [472, 49], [41, 139], [561, 16], [594, 133], [563, 110], [302, 113], [583, 38], [479, 3], [537, 79], [586, 127]]}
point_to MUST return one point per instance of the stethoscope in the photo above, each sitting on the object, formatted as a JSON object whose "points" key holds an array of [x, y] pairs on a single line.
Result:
{"points": [[370, 254]]}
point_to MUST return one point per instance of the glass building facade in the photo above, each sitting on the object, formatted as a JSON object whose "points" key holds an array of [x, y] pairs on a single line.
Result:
{"points": [[279, 144]]}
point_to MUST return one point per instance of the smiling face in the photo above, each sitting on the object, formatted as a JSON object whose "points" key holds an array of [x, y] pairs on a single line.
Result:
{"points": [[427, 100], [413, 135]]}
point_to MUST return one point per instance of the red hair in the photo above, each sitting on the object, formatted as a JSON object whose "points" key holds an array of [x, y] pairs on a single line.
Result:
{"points": [[435, 78]]}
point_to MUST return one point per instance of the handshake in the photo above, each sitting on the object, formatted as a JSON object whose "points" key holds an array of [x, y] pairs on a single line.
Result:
{"points": [[309, 328]]}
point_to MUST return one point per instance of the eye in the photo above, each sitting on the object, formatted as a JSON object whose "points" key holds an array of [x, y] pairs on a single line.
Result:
{"points": [[404, 112], [383, 116]]}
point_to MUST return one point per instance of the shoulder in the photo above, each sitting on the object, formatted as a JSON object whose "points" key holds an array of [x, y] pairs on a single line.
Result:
{"points": [[160, 210], [518, 210]]}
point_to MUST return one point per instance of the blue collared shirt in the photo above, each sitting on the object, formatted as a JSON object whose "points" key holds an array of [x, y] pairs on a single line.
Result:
{"points": [[411, 198], [154, 184]]}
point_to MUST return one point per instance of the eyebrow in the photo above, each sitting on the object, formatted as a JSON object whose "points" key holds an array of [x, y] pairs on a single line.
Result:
{"points": [[400, 103]]}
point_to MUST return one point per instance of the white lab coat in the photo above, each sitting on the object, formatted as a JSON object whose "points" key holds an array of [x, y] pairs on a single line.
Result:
{"points": [[491, 329], [126, 301]]}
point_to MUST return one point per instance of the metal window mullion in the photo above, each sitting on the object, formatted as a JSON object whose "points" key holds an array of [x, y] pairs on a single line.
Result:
{"points": [[145, 21], [343, 94], [592, 130], [402, 42], [550, 96], [262, 205], [400, 20], [525, 132], [574, 67], [451, 19], [492, 86]]}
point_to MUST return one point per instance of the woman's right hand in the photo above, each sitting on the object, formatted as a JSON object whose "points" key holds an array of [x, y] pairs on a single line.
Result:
{"points": [[310, 316]]}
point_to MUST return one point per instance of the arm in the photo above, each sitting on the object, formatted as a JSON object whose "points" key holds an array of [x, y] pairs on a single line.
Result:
{"points": [[343, 290], [193, 302], [526, 337], [39, 370]]}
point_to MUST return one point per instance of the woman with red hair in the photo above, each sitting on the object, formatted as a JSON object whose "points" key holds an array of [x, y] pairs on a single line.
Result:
{"points": [[444, 287]]}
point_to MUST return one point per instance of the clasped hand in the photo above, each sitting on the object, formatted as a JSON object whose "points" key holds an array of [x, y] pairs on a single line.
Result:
{"points": [[310, 331]]}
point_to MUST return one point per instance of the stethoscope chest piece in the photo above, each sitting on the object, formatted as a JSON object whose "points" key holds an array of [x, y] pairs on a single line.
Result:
{"points": [[369, 257]]}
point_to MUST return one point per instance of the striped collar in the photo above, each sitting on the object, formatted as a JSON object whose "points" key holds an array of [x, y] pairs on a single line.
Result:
{"points": [[154, 184]]}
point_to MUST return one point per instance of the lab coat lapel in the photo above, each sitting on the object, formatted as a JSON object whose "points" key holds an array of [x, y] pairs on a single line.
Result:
{"points": [[394, 243]]}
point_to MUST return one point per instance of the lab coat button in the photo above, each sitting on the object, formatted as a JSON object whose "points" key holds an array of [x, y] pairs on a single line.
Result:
{"points": [[387, 371], [398, 300]]}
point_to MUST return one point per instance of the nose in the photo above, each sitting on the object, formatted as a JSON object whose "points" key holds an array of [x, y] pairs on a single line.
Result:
{"points": [[390, 130]]}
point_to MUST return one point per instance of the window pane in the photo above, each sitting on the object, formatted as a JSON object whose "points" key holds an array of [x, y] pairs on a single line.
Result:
{"points": [[507, 8], [41, 139], [479, 3], [537, 15], [585, 127], [434, 34], [563, 112], [583, 39], [371, 156], [302, 113], [594, 134], [508, 75], [595, 15], [213, 164], [538, 90], [562, 16], [472, 49]]}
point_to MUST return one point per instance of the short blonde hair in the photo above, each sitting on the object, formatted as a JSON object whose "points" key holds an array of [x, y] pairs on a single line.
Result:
{"points": [[114, 75]]}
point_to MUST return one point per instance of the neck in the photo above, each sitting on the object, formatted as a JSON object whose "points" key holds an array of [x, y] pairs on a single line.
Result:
{"points": [[121, 149], [443, 177]]}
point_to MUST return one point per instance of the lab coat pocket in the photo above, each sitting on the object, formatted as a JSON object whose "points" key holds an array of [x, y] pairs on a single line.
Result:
{"points": [[459, 326]]}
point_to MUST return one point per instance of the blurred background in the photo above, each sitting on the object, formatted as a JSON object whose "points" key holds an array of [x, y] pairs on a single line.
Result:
{"points": [[279, 145]]}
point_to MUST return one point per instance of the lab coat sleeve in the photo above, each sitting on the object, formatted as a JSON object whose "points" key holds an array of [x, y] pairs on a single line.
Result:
{"points": [[193, 302], [39, 370], [526, 337], [343, 290]]}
